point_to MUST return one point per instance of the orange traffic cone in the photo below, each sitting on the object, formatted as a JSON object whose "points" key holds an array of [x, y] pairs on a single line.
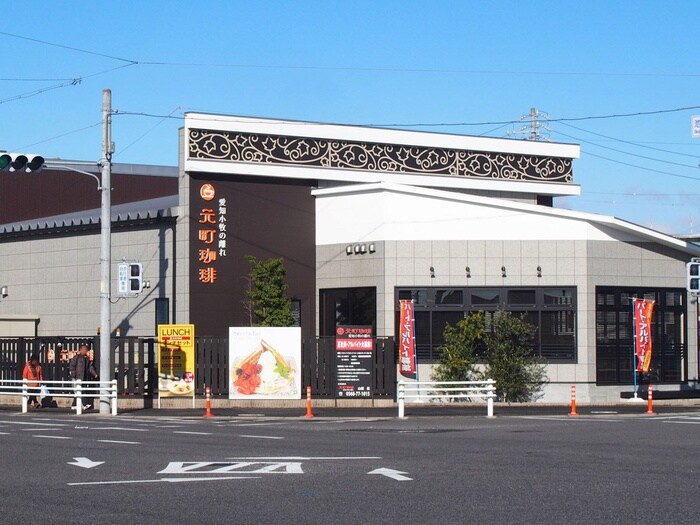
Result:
{"points": [[650, 402], [573, 401], [207, 403], [309, 413]]}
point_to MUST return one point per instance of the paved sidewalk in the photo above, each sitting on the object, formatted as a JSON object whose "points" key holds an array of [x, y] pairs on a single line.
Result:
{"points": [[412, 410]]}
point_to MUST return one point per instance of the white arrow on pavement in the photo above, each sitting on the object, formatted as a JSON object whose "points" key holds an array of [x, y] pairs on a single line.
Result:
{"points": [[85, 463], [391, 473]]}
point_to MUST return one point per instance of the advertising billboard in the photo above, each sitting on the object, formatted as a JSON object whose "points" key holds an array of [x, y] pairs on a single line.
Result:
{"points": [[176, 360], [354, 347], [265, 363]]}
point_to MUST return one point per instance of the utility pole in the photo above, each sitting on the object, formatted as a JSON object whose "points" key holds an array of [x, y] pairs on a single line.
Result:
{"points": [[106, 249]]}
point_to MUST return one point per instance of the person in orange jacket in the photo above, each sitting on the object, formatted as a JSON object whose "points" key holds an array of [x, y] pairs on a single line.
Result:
{"points": [[32, 373]]}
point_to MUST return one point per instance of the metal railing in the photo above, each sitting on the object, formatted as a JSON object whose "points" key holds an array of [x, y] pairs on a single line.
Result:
{"points": [[74, 389], [467, 390]]}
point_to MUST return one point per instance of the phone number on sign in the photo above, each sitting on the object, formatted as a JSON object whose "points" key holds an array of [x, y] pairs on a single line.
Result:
{"points": [[354, 394]]}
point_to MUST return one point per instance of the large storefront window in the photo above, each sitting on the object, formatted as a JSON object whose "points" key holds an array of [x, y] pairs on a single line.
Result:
{"points": [[614, 335], [551, 310], [347, 306]]}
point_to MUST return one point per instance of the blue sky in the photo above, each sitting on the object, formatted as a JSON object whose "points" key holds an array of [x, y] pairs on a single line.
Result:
{"points": [[373, 62]]}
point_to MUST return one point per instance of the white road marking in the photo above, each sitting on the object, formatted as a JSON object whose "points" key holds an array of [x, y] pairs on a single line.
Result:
{"points": [[303, 458], [34, 424], [85, 463], [7, 433], [260, 437], [391, 473], [52, 437], [256, 424], [246, 467], [35, 429], [166, 426], [126, 429], [196, 433], [683, 422], [162, 480], [120, 442], [572, 418]]}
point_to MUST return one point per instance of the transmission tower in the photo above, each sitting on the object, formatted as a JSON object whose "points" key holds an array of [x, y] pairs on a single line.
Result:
{"points": [[535, 129]]}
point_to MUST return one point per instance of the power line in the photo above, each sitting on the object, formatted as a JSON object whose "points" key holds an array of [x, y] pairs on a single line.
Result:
{"points": [[439, 124], [20, 148], [627, 152], [640, 167], [71, 48], [643, 194], [640, 145], [71, 82]]}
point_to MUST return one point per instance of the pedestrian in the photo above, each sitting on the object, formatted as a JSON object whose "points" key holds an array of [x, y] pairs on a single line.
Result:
{"points": [[82, 368], [32, 373]]}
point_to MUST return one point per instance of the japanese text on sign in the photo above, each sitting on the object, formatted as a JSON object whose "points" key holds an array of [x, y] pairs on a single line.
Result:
{"points": [[211, 235]]}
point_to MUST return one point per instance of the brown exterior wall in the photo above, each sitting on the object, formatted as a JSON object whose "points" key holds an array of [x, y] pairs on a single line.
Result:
{"points": [[264, 219], [28, 196]]}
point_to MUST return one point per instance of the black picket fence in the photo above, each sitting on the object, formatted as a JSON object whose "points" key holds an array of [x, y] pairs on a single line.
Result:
{"points": [[136, 368]]}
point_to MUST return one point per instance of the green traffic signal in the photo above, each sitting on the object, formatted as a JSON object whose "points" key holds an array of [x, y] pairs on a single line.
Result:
{"points": [[21, 162]]}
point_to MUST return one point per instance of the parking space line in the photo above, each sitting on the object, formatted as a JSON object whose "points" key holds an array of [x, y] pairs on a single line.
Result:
{"points": [[119, 442], [51, 437], [260, 437], [195, 433]]}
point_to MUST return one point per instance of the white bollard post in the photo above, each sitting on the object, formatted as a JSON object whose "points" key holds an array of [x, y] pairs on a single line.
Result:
{"points": [[401, 397], [114, 397], [489, 400], [25, 397], [79, 398]]}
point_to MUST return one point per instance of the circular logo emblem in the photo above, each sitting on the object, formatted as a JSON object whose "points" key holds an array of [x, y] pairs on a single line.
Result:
{"points": [[207, 192], [340, 330]]}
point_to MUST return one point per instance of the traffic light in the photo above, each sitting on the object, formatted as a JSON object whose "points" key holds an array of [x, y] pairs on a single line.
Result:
{"points": [[693, 276], [21, 162], [135, 278]]}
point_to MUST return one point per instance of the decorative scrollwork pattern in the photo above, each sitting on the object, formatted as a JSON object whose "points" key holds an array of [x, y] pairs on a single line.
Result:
{"points": [[365, 156]]}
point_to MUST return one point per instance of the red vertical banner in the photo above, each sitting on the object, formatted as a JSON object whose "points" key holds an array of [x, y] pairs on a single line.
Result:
{"points": [[407, 340], [643, 311]]}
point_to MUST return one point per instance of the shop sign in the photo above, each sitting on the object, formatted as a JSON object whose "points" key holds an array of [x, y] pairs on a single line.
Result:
{"points": [[265, 362], [354, 348], [211, 234], [176, 360]]}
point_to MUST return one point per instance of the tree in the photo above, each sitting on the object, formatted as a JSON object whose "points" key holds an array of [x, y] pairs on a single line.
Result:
{"points": [[519, 373], [266, 296], [457, 360]]}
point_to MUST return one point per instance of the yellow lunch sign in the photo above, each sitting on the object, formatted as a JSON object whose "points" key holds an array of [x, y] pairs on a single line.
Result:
{"points": [[176, 360]]}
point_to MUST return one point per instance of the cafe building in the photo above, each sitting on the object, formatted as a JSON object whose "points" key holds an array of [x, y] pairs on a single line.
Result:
{"points": [[363, 218]]}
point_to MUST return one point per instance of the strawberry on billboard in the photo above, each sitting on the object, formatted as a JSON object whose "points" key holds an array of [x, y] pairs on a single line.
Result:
{"points": [[354, 347]]}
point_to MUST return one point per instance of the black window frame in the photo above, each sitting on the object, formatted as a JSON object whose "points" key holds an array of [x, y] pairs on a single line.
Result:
{"points": [[554, 354], [614, 338]]}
